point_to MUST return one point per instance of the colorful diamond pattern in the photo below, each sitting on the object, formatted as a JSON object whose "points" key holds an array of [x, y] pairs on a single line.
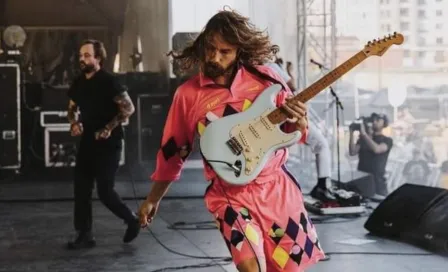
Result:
{"points": [[280, 256], [230, 216], [292, 229]]}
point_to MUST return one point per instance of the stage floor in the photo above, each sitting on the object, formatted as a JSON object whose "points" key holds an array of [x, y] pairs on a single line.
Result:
{"points": [[33, 235]]}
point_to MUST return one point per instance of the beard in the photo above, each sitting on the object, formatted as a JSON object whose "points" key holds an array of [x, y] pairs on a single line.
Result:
{"points": [[214, 70], [86, 68]]}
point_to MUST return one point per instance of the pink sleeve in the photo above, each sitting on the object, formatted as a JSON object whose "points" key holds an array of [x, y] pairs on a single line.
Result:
{"points": [[177, 139], [281, 98]]}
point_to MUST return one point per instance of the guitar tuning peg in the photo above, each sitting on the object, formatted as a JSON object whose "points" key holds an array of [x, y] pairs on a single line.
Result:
{"points": [[395, 34]]}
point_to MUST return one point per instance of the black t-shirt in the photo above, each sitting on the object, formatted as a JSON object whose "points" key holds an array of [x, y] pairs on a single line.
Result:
{"points": [[95, 99], [371, 162]]}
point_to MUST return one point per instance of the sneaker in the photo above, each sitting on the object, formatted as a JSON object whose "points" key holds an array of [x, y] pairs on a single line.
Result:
{"points": [[323, 195], [132, 231], [83, 240]]}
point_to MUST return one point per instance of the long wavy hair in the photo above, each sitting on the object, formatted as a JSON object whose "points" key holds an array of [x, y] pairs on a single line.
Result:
{"points": [[254, 46]]}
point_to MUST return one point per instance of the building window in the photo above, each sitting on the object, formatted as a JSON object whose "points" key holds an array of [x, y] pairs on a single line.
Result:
{"points": [[385, 27], [421, 2], [404, 1], [421, 54], [439, 40], [421, 13], [439, 12], [439, 26], [421, 41], [404, 12], [404, 26], [439, 56], [384, 13]]}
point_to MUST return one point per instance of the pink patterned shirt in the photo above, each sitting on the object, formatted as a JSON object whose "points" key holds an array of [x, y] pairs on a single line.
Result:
{"points": [[199, 101]]}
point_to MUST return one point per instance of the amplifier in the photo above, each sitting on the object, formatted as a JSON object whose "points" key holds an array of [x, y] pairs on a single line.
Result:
{"points": [[61, 147], [152, 110], [10, 133], [53, 118], [58, 119]]}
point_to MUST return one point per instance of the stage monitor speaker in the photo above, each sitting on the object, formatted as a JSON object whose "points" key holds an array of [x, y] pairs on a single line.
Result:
{"points": [[413, 214]]}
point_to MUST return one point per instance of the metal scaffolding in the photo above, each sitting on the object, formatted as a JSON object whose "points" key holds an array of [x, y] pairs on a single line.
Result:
{"points": [[316, 27], [316, 23]]}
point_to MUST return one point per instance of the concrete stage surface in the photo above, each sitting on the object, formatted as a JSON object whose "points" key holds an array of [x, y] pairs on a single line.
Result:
{"points": [[33, 235]]}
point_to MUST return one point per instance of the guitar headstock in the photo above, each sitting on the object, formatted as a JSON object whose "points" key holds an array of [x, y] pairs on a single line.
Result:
{"points": [[379, 46]]}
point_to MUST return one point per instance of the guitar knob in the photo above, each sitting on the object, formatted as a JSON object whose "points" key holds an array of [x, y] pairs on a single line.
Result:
{"points": [[249, 159], [248, 168], [257, 157]]}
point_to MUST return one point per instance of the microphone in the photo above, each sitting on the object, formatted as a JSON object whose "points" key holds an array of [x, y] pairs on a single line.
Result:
{"points": [[318, 64]]}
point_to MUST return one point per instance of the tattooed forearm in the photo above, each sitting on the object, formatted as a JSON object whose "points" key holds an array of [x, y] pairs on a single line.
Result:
{"points": [[126, 109], [71, 112]]}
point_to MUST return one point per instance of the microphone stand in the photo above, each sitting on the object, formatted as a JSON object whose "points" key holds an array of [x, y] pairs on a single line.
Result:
{"points": [[338, 107]]}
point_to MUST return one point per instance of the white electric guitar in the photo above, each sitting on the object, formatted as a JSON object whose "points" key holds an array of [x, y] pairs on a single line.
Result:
{"points": [[238, 146]]}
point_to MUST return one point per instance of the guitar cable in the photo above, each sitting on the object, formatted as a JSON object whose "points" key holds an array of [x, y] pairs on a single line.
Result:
{"points": [[234, 167], [216, 261]]}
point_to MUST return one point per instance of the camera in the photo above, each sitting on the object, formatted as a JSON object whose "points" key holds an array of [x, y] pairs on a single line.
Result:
{"points": [[362, 121]]}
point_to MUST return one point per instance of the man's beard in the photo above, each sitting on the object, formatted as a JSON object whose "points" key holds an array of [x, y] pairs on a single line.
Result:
{"points": [[214, 70], [86, 68]]}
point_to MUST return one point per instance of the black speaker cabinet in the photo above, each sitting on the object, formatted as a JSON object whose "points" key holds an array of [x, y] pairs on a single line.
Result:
{"points": [[152, 110], [10, 134], [413, 214]]}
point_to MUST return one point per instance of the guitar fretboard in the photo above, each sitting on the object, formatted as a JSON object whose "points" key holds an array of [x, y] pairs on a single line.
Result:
{"points": [[280, 115]]}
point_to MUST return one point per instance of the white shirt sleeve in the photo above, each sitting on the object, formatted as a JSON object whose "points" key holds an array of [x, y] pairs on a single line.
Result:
{"points": [[282, 73]]}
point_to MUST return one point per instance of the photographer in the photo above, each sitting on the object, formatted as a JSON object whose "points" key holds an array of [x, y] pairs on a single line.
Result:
{"points": [[373, 148]]}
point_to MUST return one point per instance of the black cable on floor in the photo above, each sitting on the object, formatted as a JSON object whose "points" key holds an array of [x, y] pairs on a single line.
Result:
{"points": [[203, 265], [201, 225], [215, 261], [187, 255]]}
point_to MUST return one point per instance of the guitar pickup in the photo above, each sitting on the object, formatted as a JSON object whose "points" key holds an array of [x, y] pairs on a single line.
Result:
{"points": [[254, 132]]}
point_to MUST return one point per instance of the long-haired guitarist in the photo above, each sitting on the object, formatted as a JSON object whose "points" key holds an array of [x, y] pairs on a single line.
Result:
{"points": [[264, 224]]}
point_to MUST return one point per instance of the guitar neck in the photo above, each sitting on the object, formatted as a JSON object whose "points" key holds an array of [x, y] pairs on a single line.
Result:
{"points": [[279, 115]]}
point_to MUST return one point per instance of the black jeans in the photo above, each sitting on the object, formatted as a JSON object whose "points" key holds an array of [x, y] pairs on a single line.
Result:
{"points": [[380, 185], [97, 161]]}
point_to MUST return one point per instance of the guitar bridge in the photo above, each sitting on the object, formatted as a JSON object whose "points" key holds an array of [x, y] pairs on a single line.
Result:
{"points": [[234, 146]]}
